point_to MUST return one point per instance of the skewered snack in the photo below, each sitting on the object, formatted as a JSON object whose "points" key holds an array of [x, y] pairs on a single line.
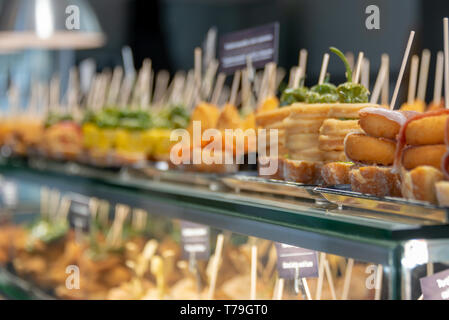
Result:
{"points": [[419, 183], [375, 180], [442, 193], [335, 173], [427, 131], [369, 150], [383, 123], [62, 138], [302, 171]]}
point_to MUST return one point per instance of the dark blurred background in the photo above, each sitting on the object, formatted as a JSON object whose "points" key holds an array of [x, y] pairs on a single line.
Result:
{"points": [[167, 31]]}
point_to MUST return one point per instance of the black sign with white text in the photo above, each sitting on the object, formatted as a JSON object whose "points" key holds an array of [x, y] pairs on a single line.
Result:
{"points": [[436, 286], [195, 240], [261, 44], [79, 213], [291, 258]]}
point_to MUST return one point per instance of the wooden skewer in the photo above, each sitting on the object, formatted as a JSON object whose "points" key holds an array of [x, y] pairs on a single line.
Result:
{"points": [[350, 57], [347, 281], [146, 84], [379, 84], [253, 272], [55, 87], [162, 80], [297, 78], [114, 88], [280, 289], [280, 75], [55, 197], [320, 276], [44, 202], [218, 88], [235, 87], [423, 75], [439, 71], [401, 71], [446, 62], [386, 83], [262, 86], [303, 61], [246, 89], [291, 76], [413, 78], [330, 281], [306, 288], [358, 68], [198, 74], [215, 266], [73, 90], [209, 79], [64, 208], [323, 68], [365, 73]]}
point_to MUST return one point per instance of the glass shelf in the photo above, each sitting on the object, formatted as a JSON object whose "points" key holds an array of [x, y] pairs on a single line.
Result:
{"points": [[366, 236]]}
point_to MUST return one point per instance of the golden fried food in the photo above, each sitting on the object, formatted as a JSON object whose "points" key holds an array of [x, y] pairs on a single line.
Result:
{"points": [[271, 103], [417, 105], [264, 163], [229, 118], [426, 155], [302, 171], [375, 180], [419, 183], [369, 150], [442, 193], [207, 114], [383, 123], [426, 130], [336, 173]]}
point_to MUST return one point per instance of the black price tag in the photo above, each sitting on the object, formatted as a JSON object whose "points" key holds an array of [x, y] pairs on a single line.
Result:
{"points": [[79, 213], [195, 241], [261, 44], [291, 258], [436, 286]]}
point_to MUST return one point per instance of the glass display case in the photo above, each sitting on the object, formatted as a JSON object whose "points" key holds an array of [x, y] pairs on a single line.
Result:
{"points": [[360, 254]]}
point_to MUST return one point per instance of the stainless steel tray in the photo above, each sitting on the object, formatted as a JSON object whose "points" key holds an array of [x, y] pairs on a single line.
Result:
{"points": [[398, 206], [272, 186]]}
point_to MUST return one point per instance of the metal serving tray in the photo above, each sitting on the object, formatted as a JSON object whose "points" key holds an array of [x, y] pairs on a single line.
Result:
{"points": [[272, 186], [342, 197]]}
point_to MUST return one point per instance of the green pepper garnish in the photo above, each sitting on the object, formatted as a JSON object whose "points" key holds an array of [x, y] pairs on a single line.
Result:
{"points": [[46, 231], [350, 92], [322, 93], [55, 118], [292, 95]]}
